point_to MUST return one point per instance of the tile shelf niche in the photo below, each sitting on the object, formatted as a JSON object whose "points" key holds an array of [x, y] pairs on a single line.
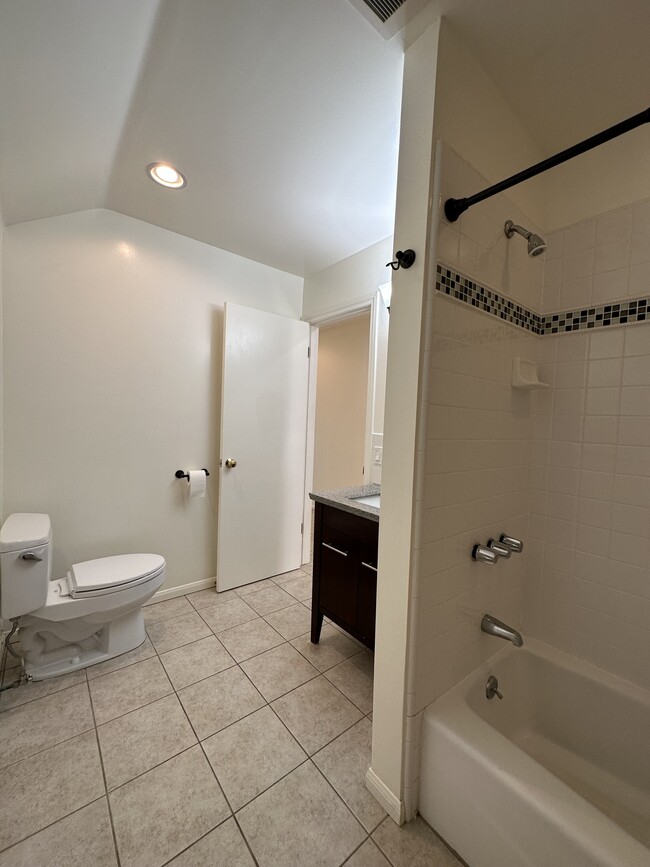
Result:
{"points": [[525, 376]]}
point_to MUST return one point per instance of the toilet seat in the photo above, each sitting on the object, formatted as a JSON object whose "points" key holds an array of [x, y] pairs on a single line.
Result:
{"points": [[109, 575]]}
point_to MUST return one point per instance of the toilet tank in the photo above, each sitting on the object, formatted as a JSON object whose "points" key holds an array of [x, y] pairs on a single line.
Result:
{"points": [[25, 563]]}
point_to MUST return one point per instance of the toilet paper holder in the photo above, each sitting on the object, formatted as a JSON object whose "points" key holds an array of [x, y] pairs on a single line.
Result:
{"points": [[181, 474]]}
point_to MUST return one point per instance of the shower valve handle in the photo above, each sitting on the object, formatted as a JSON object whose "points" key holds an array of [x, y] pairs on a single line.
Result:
{"points": [[515, 545]]}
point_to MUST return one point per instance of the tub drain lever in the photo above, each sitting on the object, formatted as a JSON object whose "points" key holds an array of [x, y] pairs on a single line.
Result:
{"points": [[492, 688]]}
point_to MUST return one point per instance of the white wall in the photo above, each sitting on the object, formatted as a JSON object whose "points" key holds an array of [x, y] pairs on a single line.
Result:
{"points": [[112, 360], [2, 231], [613, 175], [349, 281], [387, 775], [475, 119], [341, 397]]}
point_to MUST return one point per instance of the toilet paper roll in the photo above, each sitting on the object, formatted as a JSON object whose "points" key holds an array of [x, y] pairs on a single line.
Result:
{"points": [[197, 483]]}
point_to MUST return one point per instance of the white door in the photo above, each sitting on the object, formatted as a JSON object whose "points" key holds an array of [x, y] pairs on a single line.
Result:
{"points": [[263, 444]]}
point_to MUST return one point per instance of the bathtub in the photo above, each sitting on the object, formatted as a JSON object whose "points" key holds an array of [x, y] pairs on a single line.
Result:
{"points": [[557, 774]]}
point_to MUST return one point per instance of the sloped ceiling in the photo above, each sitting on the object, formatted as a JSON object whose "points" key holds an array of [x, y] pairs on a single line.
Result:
{"points": [[283, 114], [569, 68]]}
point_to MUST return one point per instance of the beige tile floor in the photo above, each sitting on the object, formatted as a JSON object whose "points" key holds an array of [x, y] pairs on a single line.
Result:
{"points": [[227, 739]]}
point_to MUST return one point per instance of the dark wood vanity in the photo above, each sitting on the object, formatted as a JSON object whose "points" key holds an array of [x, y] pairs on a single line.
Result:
{"points": [[345, 570]]}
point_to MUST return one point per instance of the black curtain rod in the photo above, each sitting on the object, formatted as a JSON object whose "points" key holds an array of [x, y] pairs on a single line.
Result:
{"points": [[455, 207]]}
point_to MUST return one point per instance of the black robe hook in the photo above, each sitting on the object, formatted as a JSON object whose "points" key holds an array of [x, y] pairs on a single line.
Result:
{"points": [[403, 259]]}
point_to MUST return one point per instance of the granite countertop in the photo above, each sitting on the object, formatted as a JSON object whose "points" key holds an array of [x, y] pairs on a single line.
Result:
{"points": [[345, 499]]}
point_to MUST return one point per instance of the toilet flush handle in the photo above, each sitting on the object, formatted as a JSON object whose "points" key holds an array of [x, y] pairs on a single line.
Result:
{"points": [[29, 555]]}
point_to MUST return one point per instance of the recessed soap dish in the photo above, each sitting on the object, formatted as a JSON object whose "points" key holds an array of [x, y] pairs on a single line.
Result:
{"points": [[524, 374]]}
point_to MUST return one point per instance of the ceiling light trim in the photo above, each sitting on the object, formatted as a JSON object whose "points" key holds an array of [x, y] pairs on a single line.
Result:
{"points": [[175, 180]]}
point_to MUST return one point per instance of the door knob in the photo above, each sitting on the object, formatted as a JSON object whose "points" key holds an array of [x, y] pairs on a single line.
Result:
{"points": [[231, 463]]}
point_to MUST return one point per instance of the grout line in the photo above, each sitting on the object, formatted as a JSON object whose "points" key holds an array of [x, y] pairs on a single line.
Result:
{"points": [[152, 768], [245, 839], [221, 789], [268, 704], [175, 692], [274, 783], [38, 698], [348, 808], [202, 837], [121, 668], [45, 749], [101, 761], [362, 843], [201, 679], [60, 819]]}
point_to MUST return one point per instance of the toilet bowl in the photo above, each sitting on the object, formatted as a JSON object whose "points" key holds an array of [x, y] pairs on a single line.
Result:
{"points": [[92, 614]]}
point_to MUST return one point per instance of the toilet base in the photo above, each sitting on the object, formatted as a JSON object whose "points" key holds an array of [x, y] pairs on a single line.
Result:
{"points": [[50, 655]]}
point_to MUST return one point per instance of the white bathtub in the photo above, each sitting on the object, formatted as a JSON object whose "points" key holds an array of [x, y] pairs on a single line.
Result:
{"points": [[555, 775]]}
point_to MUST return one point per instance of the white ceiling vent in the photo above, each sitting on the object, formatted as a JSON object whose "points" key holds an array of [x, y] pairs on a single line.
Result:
{"points": [[390, 17], [383, 9]]}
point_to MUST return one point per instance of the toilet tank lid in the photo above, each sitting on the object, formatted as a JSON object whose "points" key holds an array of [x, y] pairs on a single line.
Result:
{"points": [[25, 530]]}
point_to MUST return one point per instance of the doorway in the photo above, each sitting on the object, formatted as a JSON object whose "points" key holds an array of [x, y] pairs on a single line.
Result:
{"points": [[341, 398], [347, 384]]}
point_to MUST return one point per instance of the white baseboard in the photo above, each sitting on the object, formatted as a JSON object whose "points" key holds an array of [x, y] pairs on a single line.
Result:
{"points": [[390, 802], [173, 592]]}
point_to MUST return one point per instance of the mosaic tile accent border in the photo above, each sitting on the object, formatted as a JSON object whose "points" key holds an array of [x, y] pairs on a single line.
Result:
{"points": [[463, 288]]}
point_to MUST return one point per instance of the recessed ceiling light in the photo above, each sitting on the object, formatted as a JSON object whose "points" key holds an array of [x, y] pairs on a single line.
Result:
{"points": [[167, 175]]}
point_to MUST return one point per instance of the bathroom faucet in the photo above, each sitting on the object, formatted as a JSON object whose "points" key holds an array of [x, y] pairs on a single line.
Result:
{"points": [[496, 627]]}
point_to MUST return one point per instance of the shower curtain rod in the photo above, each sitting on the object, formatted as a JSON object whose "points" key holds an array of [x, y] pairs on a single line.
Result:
{"points": [[455, 207]]}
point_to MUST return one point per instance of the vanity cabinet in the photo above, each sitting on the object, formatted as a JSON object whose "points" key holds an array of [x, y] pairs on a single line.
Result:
{"points": [[344, 573]]}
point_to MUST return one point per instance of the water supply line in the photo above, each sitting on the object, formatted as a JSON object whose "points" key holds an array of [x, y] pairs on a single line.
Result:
{"points": [[8, 649]]}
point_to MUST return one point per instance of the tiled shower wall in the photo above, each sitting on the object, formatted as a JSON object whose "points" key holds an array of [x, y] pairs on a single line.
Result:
{"points": [[477, 455], [566, 468], [589, 593]]}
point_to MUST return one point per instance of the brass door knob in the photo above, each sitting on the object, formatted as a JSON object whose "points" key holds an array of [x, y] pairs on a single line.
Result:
{"points": [[231, 463]]}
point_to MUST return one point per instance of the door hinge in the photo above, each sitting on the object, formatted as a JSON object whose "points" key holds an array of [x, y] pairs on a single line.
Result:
{"points": [[309, 352], [302, 529]]}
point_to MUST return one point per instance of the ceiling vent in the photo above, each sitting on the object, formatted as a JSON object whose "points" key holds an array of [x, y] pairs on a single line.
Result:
{"points": [[383, 9], [390, 17]]}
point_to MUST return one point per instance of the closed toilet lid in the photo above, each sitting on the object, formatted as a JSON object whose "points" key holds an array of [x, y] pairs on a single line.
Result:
{"points": [[109, 573]]}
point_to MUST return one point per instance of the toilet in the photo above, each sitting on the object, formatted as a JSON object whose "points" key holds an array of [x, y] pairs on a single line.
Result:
{"points": [[92, 614]]}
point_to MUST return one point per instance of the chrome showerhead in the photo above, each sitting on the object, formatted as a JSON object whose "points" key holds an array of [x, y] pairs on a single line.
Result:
{"points": [[536, 245]]}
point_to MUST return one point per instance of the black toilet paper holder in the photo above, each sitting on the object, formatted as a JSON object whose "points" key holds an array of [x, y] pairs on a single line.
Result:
{"points": [[181, 474]]}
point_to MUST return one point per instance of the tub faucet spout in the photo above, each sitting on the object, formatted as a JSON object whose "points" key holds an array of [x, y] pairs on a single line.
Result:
{"points": [[496, 627]]}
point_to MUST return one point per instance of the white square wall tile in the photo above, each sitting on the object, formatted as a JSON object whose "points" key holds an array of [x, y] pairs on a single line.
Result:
{"points": [[636, 370], [614, 226], [641, 217], [577, 265], [554, 246], [552, 272], [637, 340], [608, 343], [639, 279], [581, 236], [640, 249], [610, 256], [600, 429], [604, 372], [576, 292], [610, 286]]}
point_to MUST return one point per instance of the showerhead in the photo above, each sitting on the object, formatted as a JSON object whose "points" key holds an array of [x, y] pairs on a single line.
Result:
{"points": [[536, 245]]}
